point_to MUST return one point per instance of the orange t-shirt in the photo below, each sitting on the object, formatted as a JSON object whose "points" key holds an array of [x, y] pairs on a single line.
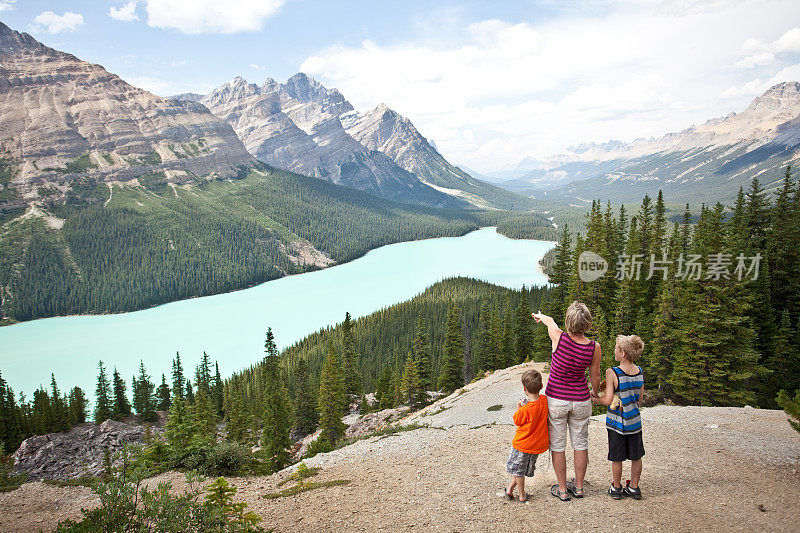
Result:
{"points": [[531, 421]]}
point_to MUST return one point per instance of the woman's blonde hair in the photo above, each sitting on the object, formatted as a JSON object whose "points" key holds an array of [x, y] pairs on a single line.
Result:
{"points": [[631, 345], [579, 319]]}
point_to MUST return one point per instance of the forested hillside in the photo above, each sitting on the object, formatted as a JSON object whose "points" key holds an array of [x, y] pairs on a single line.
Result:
{"points": [[123, 247]]}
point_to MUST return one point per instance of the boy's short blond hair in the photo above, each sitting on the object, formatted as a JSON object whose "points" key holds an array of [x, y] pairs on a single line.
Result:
{"points": [[532, 381], [579, 319], [631, 345]]}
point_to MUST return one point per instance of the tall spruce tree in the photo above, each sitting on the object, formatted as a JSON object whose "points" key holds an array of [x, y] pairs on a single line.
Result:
{"points": [[103, 407], [144, 401], [332, 398], [122, 406], [422, 353], [217, 389], [275, 440], [239, 419], [78, 405], [178, 379], [162, 393], [523, 329], [561, 273], [411, 385], [352, 377], [451, 375]]}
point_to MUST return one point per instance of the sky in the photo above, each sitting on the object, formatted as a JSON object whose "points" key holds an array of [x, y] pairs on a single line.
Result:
{"points": [[489, 82]]}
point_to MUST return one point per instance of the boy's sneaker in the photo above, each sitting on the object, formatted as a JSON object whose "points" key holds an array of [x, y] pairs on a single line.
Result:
{"points": [[615, 492], [630, 492]]}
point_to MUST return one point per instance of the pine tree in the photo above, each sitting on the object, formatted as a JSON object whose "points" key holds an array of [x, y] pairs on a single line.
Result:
{"points": [[507, 340], [665, 325], [178, 379], [189, 389], [144, 401], [332, 399], [306, 416], [384, 393], [422, 353], [791, 407], [451, 375], [164, 401], [78, 405], [122, 407], [205, 414], [239, 419], [715, 359], [10, 430], [523, 329], [202, 375], [484, 359], [783, 249], [182, 432], [562, 273], [352, 378], [103, 406], [275, 440], [59, 411], [411, 386], [217, 389], [783, 365]]}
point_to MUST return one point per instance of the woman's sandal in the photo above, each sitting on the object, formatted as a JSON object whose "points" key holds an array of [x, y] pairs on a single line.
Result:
{"points": [[575, 491], [505, 495], [563, 496]]}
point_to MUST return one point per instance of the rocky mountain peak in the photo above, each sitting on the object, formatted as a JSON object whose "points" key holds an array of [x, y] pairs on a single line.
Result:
{"points": [[13, 41], [782, 95]]}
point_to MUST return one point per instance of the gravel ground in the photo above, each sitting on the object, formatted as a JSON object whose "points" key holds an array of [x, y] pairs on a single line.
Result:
{"points": [[706, 469]]}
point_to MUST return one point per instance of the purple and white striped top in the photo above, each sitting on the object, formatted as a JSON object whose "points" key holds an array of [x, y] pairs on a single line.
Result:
{"points": [[568, 366]]}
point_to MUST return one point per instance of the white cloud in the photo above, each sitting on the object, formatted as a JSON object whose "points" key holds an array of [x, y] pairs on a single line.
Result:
{"points": [[756, 87], [7, 5], [166, 88], [51, 23], [493, 92], [211, 16], [126, 13], [755, 60], [763, 53]]}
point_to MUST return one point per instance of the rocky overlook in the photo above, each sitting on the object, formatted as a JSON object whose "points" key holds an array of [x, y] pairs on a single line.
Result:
{"points": [[62, 118]]}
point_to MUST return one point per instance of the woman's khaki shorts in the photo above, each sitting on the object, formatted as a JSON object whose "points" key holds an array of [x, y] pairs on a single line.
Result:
{"points": [[561, 415]]}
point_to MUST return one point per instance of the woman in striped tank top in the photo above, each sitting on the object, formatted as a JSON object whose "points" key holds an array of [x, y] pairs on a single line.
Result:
{"points": [[568, 403]]}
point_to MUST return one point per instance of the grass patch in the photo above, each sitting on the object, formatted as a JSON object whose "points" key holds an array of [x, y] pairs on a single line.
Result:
{"points": [[108, 158], [494, 407], [297, 489], [300, 474], [439, 410], [79, 164]]}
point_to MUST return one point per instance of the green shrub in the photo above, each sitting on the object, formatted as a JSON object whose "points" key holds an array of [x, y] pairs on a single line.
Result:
{"points": [[319, 446], [219, 459], [125, 505], [494, 407], [8, 479], [791, 406]]}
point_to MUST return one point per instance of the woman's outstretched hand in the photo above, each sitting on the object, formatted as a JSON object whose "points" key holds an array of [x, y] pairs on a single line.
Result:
{"points": [[537, 316]]}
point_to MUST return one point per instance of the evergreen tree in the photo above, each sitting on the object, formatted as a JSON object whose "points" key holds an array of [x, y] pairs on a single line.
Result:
{"points": [[205, 414], [306, 416], [10, 430], [189, 389], [59, 408], [484, 359], [451, 375], [352, 378], [122, 407], [202, 375], [275, 440], [561, 273], [715, 358], [411, 387], [239, 419], [144, 401], [523, 329], [791, 407], [78, 405], [422, 353], [182, 432], [507, 340], [383, 389], [332, 398], [783, 249], [783, 365], [162, 393], [178, 379], [103, 403], [217, 389]]}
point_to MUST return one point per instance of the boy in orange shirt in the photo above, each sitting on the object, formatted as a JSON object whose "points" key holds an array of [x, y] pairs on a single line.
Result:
{"points": [[531, 437]]}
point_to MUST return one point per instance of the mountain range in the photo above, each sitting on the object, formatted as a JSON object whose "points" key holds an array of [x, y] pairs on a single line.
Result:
{"points": [[306, 128], [63, 119], [708, 162]]}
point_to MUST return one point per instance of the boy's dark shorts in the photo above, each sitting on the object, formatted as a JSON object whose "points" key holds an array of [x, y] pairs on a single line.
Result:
{"points": [[521, 463], [628, 447]]}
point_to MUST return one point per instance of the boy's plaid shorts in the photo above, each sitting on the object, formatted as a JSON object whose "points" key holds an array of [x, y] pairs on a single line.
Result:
{"points": [[521, 463]]}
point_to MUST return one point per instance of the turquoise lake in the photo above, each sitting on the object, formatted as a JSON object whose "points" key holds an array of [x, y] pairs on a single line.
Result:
{"points": [[230, 327]]}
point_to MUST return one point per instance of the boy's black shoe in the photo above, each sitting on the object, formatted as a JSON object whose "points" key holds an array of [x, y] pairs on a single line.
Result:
{"points": [[615, 492], [636, 493]]}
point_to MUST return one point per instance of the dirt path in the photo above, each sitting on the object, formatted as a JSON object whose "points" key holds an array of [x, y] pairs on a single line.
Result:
{"points": [[708, 469]]}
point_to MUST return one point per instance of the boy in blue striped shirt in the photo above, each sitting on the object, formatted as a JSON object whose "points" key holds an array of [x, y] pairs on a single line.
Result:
{"points": [[624, 423]]}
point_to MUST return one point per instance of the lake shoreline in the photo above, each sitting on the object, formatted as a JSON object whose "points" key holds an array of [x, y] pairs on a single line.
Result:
{"points": [[15, 322]]}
